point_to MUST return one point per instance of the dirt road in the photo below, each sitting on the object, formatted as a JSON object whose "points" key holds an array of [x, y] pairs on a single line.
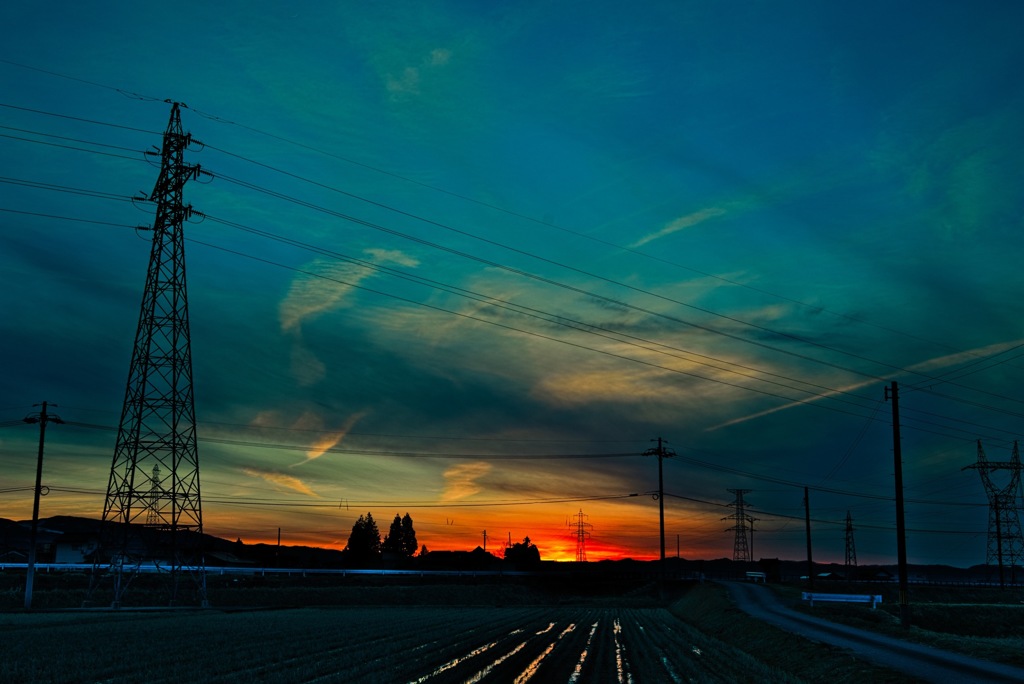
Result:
{"points": [[927, 663]]}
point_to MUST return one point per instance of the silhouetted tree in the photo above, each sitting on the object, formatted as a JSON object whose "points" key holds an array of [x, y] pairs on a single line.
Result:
{"points": [[401, 537], [393, 542], [409, 544], [364, 541], [523, 553]]}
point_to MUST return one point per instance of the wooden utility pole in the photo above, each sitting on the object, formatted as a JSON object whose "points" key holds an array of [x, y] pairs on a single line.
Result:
{"points": [[807, 524], [662, 453], [42, 418], [901, 528]]}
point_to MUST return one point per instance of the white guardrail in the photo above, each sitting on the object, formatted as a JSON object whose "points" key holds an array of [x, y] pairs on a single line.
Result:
{"points": [[873, 599], [259, 571]]}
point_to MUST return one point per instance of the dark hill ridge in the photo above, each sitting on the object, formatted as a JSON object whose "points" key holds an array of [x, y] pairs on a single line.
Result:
{"points": [[14, 541]]}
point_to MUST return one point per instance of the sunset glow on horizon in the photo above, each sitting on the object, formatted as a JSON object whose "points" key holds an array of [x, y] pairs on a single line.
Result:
{"points": [[471, 261]]}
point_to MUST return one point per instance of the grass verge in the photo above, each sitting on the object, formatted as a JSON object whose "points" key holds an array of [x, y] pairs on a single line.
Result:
{"points": [[979, 622], [708, 608]]}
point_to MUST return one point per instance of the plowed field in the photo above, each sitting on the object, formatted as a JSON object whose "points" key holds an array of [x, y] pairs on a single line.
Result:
{"points": [[387, 644]]}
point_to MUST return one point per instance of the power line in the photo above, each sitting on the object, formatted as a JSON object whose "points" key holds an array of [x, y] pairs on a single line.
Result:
{"points": [[276, 503], [62, 137], [56, 187], [525, 332], [549, 281], [957, 373], [318, 150], [830, 490], [581, 326], [373, 452], [81, 80], [526, 311], [109, 196], [388, 435], [78, 118], [560, 264], [572, 288], [693, 461], [71, 218]]}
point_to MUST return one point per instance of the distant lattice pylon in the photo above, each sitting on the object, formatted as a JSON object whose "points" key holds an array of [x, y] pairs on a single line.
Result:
{"points": [[1005, 542], [579, 526], [741, 547], [158, 425], [851, 549], [155, 491]]}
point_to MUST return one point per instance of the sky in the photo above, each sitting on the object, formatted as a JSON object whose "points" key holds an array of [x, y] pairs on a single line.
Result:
{"points": [[468, 261]]}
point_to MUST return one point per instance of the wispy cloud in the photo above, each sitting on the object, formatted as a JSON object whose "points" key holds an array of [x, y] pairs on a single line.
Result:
{"points": [[408, 80], [330, 440], [461, 480], [679, 224], [937, 363], [324, 286], [280, 480]]}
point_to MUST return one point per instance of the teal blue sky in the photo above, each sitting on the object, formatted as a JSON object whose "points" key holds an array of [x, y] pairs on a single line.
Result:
{"points": [[552, 230]]}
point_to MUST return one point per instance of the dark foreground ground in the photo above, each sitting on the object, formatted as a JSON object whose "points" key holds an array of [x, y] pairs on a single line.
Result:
{"points": [[457, 630]]}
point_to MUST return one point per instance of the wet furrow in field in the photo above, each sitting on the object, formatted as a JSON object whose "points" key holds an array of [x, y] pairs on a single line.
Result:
{"points": [[577, 645], [327, 646], [419, 645], [521, 650], [669, 650], [668, 654]]}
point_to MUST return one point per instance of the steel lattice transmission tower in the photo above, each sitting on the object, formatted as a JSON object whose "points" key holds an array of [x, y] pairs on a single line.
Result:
{"points": [[851, 548], [157, 432], [740, 549], [1005, 542], [579, 525]]}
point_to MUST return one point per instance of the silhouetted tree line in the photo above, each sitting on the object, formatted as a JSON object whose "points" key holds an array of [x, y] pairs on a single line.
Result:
{"points": [[365, 545]]}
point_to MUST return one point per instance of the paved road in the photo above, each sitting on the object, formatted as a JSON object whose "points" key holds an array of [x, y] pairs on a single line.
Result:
{"points": [[925, 662]]}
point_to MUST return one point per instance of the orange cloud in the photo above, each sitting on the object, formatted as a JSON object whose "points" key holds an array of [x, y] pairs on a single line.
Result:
{"points": [[281, 480], [330, 440], [461, 480]]}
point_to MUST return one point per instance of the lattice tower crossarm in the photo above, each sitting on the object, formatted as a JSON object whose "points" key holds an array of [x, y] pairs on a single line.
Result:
{"points": [[157, 427], [1005, 545]]}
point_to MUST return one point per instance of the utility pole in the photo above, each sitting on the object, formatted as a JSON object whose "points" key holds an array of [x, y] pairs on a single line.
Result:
{"points": [[901, 528], [751, 519], [485, 540], [662, 453], [807, 525], [42, 418]]}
